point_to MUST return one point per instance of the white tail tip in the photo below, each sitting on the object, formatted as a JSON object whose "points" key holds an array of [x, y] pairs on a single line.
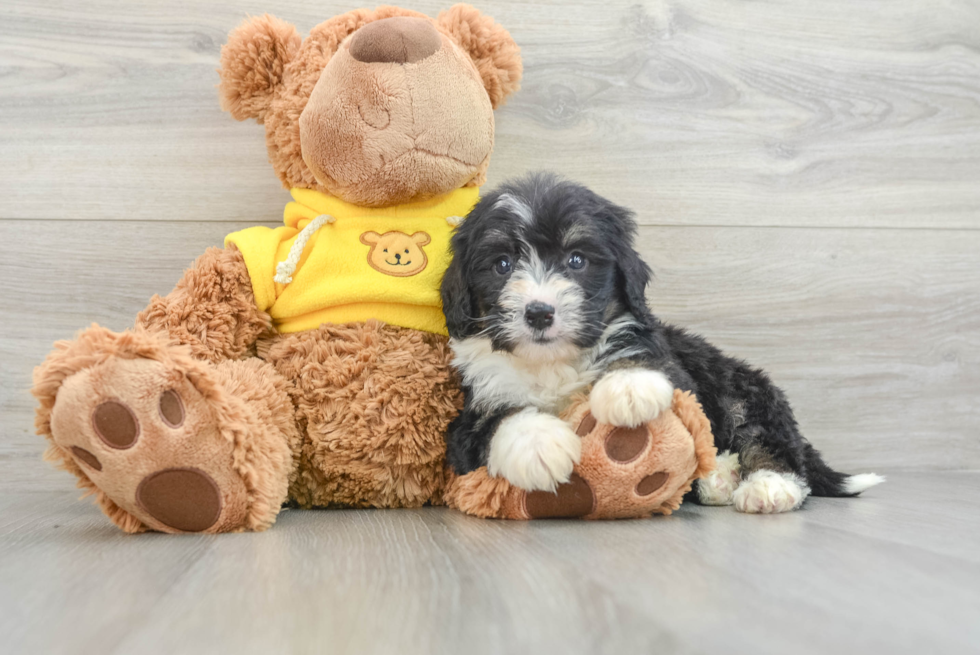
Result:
{"points": [[855, 484]]}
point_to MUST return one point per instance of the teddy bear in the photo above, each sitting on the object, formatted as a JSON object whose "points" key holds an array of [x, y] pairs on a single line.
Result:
{"points": [[309, 364], [306, 364]]}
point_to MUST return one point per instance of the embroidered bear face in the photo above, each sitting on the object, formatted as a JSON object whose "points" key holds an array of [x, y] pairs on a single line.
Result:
{"points": [[397, 253]]}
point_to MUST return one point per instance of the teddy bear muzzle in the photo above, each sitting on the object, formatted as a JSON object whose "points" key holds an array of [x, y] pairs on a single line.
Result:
{"points": [[398, 114]]}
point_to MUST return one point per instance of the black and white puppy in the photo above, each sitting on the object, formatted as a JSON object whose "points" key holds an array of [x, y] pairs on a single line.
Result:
{"points": [[545, 297]]}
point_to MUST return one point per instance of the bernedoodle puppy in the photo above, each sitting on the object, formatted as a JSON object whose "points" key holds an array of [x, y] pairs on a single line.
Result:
{"points": [[545, 297]]}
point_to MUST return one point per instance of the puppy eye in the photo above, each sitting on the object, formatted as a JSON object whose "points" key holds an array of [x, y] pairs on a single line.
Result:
{"points": [[502, 266], [577, 261], [386, 250], [406, 249]]}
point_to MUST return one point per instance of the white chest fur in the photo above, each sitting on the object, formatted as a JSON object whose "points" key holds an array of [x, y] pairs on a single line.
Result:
{"points": [[498, 379]]}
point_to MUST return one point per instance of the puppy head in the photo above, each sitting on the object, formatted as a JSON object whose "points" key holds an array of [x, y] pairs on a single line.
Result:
{"points": [[541, 266]]}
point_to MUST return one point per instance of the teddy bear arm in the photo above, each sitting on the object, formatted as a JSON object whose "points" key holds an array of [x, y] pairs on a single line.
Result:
{"points": [[212, 309]]}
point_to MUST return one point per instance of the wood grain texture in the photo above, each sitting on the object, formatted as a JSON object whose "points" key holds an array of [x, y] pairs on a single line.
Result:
{"points": [[874, 334], [894, 571], [710, 112]]}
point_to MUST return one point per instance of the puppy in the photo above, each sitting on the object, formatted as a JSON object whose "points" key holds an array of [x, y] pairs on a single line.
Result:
{"points": [[545, 297]]}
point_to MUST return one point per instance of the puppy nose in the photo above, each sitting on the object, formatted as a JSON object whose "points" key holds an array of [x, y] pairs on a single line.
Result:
{"points": [[398, 40], [539, 315]]}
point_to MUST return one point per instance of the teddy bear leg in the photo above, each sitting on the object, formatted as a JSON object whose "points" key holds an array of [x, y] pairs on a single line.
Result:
{"points": [[164, 441], [375, 401], [623, 472]]}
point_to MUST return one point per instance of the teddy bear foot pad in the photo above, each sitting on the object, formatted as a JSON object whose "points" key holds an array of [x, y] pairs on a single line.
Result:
{"points": [[148, 440]]}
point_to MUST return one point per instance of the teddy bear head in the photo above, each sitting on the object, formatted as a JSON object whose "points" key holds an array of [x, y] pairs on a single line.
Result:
{"points": [[375, 107]]}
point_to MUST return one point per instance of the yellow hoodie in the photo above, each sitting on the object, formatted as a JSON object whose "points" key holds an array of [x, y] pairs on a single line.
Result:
{"points": [[353, 263]]}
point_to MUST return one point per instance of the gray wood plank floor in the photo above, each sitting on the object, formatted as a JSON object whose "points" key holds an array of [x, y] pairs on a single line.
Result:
{"points": [[897, 571]]}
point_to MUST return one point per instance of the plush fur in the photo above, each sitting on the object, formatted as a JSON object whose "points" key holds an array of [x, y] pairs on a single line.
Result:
{"points": [[546, 243], [375, 401]]}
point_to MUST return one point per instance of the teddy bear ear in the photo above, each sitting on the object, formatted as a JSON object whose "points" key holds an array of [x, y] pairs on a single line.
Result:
{"points": [[493, 50], [370, 238], [252, 64]]}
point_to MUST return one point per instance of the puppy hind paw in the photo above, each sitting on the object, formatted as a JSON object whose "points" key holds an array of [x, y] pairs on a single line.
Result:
{"points": [[631, 397], [534, 451], [718, 487], [770, 492]]}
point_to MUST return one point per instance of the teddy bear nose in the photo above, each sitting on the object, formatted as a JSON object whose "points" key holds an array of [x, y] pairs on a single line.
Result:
{"points": [[399, 40]]}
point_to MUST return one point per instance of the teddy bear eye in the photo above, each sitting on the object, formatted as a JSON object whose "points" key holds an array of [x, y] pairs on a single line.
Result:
{"points": [[386, 250], [406, 249]]}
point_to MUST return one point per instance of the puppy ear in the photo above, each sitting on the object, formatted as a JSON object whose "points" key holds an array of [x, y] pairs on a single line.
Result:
{"points": [[421, 239], [252, 64], [457, 301], [493, 50], [635, 277], [633, 273]]}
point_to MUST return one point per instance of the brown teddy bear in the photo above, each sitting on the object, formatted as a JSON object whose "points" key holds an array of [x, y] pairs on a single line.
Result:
{"points": [[309, 363], [306, 363]]}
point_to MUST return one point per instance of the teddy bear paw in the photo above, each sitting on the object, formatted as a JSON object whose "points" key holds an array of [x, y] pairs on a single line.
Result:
{"points": [[148, 439], [624, 472]]}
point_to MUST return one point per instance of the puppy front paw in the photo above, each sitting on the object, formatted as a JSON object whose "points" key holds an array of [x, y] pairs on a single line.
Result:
{"points": [[534, 451], [631, 397]]}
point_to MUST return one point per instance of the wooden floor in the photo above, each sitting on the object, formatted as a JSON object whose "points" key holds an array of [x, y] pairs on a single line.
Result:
{"points": [[897, 571], [807, 179]]}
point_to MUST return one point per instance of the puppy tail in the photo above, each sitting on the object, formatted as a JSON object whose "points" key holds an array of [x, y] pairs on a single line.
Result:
{"points": [[825, 481]]}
